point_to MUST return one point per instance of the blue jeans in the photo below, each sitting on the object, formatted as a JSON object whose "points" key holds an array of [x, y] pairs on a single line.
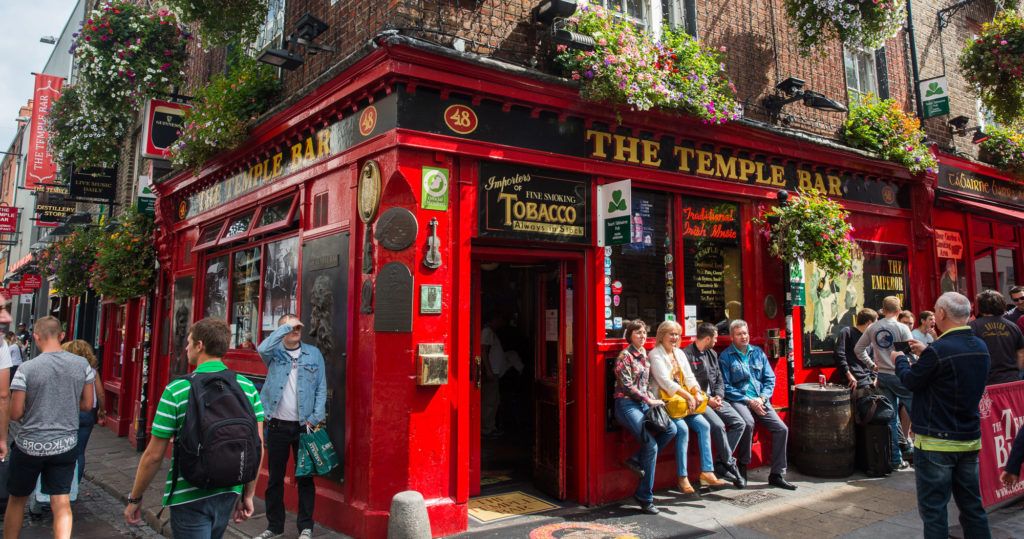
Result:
{"points": [[940, 474], [630, 414], [699, 425], [203, 519], [898, 394], [86, 421]]}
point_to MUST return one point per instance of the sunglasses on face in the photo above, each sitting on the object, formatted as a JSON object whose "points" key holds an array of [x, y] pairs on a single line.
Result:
{"points": [[1018, 299]]}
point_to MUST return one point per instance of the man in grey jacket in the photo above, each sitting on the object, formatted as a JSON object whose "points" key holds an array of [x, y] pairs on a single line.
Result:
{"points": [[881, 337]]}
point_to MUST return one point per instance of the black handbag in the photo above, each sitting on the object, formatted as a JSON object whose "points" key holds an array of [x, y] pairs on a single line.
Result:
{"points": [[656, 420], [875, 410]]}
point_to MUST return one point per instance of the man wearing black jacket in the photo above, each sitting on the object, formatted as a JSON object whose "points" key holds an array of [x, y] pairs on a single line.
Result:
{"points": [[727, 427], [857, 374]]}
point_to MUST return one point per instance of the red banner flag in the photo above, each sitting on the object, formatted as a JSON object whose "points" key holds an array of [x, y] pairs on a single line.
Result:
{"points": [[1002, 415], [41, 168]]}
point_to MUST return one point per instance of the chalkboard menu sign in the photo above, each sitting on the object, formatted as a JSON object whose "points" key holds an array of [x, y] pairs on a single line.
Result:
{"points": [[534, 204], [710, 232]]}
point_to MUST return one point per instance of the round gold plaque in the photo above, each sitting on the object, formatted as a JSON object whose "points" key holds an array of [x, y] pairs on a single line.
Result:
{"points": [[369, 191]]}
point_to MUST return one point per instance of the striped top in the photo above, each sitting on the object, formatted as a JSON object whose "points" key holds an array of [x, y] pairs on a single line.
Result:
{"points": [[170, 416]]}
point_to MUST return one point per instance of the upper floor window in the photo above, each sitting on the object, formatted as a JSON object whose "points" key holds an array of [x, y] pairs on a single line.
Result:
{"points": [[680, 15], [634, 11], [861, 73], [272, 31], [651, 15]]}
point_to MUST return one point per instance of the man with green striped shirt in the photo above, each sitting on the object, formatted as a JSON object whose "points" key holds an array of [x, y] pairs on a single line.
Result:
{"points": [[195, 512]]}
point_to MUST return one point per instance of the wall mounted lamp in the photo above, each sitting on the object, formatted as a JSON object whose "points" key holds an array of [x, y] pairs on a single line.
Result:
{"points": [[960, 129], [307, 29], [549, 10], [792, 91]]}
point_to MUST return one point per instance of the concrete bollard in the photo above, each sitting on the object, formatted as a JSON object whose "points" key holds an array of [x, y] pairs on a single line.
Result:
{"points": [[408, 518]]}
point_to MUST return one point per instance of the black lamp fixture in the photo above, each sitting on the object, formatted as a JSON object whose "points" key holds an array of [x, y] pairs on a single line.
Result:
{"points": [[307, 29], [792, 90], [573, 40], [959, 125], [549, 10]]}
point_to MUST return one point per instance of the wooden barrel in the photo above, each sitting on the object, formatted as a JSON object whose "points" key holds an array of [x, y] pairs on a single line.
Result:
{"points": [[821, 438]]}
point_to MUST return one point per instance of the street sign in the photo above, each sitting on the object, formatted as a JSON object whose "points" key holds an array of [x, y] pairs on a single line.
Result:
{"points": [[31, 281], [934, 94], [615, 201]]}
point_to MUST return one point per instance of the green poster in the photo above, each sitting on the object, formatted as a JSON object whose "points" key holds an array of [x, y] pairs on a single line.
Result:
{"points": [[435, 189]]}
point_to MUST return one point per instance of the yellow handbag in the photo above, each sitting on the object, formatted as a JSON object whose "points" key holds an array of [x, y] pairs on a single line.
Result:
{"points": [[676, 406]]}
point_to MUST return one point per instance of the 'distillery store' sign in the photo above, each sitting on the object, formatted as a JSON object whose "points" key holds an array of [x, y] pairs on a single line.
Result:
{"points": [[533, 204]]}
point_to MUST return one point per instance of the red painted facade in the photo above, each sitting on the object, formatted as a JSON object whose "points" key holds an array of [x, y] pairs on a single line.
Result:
{"points": [[399, 435]]}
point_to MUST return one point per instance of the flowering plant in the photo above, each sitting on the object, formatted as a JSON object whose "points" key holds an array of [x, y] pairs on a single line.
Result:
{"points": [[125, 264], [69, 261], [883, 127], [629, 67], [863, 23], [222, 22], [83, 134], [1004, 149], [812, 228], [222, 111], [994, 65]]}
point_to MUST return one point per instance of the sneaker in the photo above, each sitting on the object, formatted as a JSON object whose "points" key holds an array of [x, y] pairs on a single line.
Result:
{"points": [[306, 534], [267, 534], [903, 465]]}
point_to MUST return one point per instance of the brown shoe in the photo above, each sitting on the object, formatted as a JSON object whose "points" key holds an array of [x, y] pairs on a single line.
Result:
{"points": [[709, 480], [685, 487]]}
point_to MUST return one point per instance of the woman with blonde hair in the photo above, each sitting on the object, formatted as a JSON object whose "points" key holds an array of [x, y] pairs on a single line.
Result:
{"points": [[86, 420], [671, 373]]}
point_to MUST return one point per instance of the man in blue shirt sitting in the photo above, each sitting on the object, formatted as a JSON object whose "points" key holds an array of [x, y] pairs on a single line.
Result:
{"points": [[749, 384]]}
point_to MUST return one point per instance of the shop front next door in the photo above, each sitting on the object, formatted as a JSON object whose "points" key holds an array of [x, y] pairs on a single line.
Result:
{"points": [[523, 338]]}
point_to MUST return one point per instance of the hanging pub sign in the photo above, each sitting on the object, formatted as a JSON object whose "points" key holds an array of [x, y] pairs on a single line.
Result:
{"points": [[52, 208], [40, 168], [527, 203], [979, 186], [31, 281], [614, 203], [14, 288], [95, 183], [8, 219], [163, 121]]}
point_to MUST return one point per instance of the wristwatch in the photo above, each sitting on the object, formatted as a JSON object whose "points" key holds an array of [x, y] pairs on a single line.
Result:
{"points": [[134, 501]]}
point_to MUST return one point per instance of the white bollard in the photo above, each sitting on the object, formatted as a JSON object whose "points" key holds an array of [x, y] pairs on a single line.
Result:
{"points": [[408, 518]]}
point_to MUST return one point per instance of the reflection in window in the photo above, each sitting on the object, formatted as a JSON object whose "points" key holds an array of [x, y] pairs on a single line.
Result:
{"points": [[861, 72], [245, 297], [638, 275], [275, 212], [1007, 275], [215, 290], [209, 233], [713, 287], [238, 226], [280, 282]]}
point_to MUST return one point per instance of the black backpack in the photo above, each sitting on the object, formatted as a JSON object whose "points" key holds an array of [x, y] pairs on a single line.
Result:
{"points": [[218, 445], [874, 409]]}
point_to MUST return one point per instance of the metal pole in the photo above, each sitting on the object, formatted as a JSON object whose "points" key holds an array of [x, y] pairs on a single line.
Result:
{"points": [[913, 60]]}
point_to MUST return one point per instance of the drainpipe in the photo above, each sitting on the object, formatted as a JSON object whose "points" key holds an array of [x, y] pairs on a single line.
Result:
{"points": [[913, 59]]}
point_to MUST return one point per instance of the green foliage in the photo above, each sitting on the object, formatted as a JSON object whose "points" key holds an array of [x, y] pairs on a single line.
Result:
{"points": [[223, 110], [80, 134], [222, 22], [861, 23], [70, 260], [628, 67], [994, 65], [125, 266], [1004, 149], [814, 229], [882, 127]]}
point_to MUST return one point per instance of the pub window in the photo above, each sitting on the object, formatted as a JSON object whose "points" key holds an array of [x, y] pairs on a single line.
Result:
{"points": [[208, 235], [245, 297], [713, 283], [237, 227], [280, 282], [861, 73], [215, 288], [638, 275], [275, 216]]}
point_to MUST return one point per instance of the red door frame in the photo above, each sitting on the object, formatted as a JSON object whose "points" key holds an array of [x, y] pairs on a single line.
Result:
{"points": [[121, 346]]}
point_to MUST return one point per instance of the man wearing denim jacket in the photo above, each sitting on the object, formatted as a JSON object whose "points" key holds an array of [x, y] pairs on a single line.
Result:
{"points": [[749, 384], [293, 398]]}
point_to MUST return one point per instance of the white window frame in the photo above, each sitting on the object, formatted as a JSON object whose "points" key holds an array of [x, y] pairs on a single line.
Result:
{"points": [[676, 17], [643, 22], [855, 57], [271, 33]]}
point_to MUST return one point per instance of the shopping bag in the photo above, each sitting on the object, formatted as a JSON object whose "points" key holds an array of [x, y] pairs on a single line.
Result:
{"points": [[303, 464], [320, 449]]}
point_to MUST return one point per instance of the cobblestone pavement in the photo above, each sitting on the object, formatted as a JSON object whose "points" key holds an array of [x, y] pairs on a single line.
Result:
{"points": [[97, 515]]}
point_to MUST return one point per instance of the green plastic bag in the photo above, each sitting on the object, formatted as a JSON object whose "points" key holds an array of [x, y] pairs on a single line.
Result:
{"points": [[319, 450], [303, 464]]}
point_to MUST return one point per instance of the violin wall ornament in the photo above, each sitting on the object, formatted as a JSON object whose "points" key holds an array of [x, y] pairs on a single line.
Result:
{"points": [[432, 259]]}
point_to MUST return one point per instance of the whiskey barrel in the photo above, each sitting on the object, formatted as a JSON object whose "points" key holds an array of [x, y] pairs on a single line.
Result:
{"points": [[821, 440]]}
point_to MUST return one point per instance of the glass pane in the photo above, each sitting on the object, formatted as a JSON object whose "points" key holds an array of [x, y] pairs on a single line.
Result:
{"points": [[209, 233], [245, 297], [275, 212], [280, 282], [851, 70], [638, 275], [239, 226], [954, 276], [711, 263], [215, 290], [635, 9], [866, 72], [182, 321], [1006, 274], [984, 276]]}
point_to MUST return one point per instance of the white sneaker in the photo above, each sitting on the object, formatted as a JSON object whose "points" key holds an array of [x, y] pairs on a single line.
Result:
{"points": [[306, 534], [267, 534]]}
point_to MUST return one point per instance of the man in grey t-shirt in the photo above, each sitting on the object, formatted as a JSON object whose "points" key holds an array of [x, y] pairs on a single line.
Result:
{"points": [[47, 394], [881, 338]]}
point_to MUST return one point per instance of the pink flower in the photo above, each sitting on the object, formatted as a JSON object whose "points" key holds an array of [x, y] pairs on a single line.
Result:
{"points": [[1003, 42], [723, 48]]}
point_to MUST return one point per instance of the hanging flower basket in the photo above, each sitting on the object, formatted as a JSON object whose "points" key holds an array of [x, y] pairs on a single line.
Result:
{"points": [[223, 110], [629, 68], [994, 65], [83, 134], [222, 22], [811, 228], [125, 265], [69, 261], [882, 127], [860, 23], [1004, 149]]}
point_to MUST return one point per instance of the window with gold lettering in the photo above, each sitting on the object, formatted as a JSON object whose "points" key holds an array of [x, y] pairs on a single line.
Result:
{"points": [[712, 280], [638, 276]]}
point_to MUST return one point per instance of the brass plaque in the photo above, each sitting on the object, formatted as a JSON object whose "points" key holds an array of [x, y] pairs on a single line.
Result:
{"points": [[369, 191], [396, 229], [394, 299], [433, 370]]}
